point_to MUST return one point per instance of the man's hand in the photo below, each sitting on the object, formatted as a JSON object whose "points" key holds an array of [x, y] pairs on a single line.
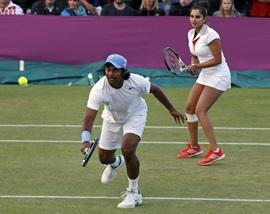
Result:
{"points": [[85, 146], [178, 117]]}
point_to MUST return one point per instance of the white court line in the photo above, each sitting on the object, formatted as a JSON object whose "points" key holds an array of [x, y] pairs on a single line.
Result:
{"points": [[147, 127], [143, 142], [146, 198]]}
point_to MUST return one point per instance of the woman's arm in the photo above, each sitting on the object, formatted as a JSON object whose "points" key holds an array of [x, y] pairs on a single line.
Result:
{"points": [[215, 48]]}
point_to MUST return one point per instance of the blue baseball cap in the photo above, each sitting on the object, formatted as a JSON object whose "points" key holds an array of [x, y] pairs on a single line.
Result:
{"points": [[117, 61]]}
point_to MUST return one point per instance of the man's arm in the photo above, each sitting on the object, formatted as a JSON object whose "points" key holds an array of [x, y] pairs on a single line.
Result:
{"points": [[89, 118], [161, 97]]}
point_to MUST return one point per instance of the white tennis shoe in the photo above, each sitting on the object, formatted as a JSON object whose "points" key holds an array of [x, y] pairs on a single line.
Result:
{"points": [[131, 199], [110, 172]]}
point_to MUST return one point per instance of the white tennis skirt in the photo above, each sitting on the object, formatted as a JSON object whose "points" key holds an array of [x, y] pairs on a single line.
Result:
{"points": [[216, 80]]}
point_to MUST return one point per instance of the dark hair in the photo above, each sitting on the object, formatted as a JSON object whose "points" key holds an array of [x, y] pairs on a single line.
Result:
{"points": [[201, 8], [125, 72]]}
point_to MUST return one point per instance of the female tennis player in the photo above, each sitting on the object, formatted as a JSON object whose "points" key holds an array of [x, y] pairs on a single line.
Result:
{"points": [[214, 78]]}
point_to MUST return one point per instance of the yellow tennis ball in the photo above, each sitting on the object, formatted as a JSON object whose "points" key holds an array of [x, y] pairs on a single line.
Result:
{"points": [[23, 81]]}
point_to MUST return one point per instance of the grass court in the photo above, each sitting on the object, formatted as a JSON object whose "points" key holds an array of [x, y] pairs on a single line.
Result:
{"points": [[40, 156]]}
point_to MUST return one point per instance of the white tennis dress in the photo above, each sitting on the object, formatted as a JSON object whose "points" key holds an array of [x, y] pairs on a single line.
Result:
{"points": [[125, 111], [217, 76]]}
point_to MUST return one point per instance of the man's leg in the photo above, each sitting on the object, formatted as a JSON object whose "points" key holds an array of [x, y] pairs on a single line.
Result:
{"points": [[110, 140], [132, 196], [129, 146]]}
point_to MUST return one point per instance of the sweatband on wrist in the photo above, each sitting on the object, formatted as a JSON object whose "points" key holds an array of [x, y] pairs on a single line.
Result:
{"points": [[86, 136]]}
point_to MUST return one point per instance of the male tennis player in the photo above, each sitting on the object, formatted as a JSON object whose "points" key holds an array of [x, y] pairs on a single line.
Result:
{"points": [[124, 118]]}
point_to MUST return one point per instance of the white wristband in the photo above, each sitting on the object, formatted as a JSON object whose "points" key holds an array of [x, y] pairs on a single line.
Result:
{"points": [[86, 136]]}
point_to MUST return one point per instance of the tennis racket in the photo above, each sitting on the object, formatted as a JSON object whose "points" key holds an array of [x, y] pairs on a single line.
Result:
{"points": [[89, 151], [173, 61]]}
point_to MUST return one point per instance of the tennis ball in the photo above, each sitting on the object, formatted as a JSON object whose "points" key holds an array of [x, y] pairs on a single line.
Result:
{"points": [[23, 81]]}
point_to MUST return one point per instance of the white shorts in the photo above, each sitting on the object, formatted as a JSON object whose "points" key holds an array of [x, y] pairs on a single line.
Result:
{"points": [[218, 81], [112, 133]]}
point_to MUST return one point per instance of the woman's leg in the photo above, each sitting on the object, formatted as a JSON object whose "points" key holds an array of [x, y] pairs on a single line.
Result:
{"points": [[192, 149], [192, 124], [207, 99]]}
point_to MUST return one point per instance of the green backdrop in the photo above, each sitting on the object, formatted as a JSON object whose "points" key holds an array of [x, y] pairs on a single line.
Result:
{"points": [[41, 73]]}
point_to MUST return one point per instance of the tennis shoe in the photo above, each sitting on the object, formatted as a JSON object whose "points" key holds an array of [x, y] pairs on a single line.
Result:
{"points": [[189, 151], [110, 172], [212, 157], [131, 199]]}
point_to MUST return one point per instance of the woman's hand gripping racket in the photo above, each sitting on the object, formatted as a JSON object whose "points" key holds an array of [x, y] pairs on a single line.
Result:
{"points": [[173, 62], [89, 151]]}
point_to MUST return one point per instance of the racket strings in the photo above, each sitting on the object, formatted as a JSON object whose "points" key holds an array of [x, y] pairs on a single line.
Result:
{"points": [[172, 61]]}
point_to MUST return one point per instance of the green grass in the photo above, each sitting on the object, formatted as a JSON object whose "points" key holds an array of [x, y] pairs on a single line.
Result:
{"points": [[53, 169]]}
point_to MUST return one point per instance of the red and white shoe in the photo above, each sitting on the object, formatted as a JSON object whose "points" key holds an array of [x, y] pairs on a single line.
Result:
{"points": [[212, 157], [189, 151]]}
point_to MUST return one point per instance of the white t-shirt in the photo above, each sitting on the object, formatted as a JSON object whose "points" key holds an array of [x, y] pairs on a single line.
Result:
{"points": [[202, 51], [12, 9], [122, 103]]}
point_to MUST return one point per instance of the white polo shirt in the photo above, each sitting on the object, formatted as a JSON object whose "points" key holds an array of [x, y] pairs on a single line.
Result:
{"points": [[119, 104]]}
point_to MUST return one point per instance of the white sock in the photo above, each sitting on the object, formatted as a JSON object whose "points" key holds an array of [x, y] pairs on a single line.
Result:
{"points": [[116, 162], [134, 184]]}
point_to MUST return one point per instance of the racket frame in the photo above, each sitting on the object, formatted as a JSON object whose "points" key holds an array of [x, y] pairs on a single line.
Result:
{"points": [[179, 62], [89, 152]]}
